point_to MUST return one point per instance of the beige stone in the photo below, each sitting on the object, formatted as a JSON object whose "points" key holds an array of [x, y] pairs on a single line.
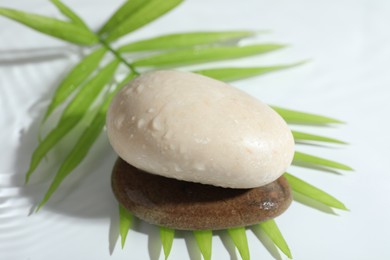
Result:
{"points": [[189, 127]]}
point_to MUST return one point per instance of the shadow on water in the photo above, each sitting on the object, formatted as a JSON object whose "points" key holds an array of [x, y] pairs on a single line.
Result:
{"points": [[313, 203], [227, 243], [12, 57], [267, 242], [86, 193]]}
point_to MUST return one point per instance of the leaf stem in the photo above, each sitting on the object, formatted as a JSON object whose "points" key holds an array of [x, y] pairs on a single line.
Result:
{"points": [[117, 55]]}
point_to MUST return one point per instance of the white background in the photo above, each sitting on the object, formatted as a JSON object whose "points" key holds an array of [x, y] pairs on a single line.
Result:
{"points": [[348, 43]]}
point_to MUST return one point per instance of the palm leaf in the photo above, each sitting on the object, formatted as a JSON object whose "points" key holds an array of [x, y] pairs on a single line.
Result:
{"points": [[77, 154], [69, 13], [312, 192], [166, 236], [145, 14], [301, 159], [125, 222], [271, 229], [90, 91], [181, 40], [124, 11], [63, 30], [299, 136], [72, 114], [83, 145], [232, 74], [204, 54], [238, 235], [75, 78], [297, 117], [204, 240]]}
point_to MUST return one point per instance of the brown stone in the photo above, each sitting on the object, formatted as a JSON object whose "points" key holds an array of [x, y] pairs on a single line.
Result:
{"points": [[193, 206]]}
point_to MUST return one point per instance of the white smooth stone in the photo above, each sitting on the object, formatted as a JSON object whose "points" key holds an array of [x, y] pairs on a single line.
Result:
{"points": [[193, 128]]}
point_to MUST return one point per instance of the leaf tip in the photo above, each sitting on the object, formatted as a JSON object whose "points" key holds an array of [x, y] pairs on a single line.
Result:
{"points": [[337, 141], [123, 241], [287, 252], [40, 205], [27, 177], [336, 121], [348, 168], [341, 206]]}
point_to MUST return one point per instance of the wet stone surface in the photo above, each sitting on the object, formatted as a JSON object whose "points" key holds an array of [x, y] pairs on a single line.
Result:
{"points": [[192, 206]]}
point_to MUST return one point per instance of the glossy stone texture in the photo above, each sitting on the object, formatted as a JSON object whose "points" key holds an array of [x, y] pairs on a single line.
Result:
{"points": [[193, 206], [192, 128]]}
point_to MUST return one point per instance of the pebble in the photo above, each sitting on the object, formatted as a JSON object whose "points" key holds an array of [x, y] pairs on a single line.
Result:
{"points": [[192, 206]]}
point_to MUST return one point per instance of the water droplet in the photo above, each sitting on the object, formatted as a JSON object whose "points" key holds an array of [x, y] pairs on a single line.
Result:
{"points": [[168, 135], [199, 166], [151, 110], [141, 123], [156, 124], [202, 140], [132, 118], [119, 121], [177, 168]]}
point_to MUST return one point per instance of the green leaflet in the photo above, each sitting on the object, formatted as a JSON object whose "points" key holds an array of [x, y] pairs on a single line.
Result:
{"points": [[166, 236], [64, 30], [231, 74], [73, 113], [204, 54], [124, 11], [48, 143], [297, 117], [181, 40], [204, 240], [238, 235], [312, 192], [300, 159], [143, 15], [84, 144], [273, 232], [75, 78], [90, 91], [77, 154], [125, 221], [299, 136], [69, 13]]}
